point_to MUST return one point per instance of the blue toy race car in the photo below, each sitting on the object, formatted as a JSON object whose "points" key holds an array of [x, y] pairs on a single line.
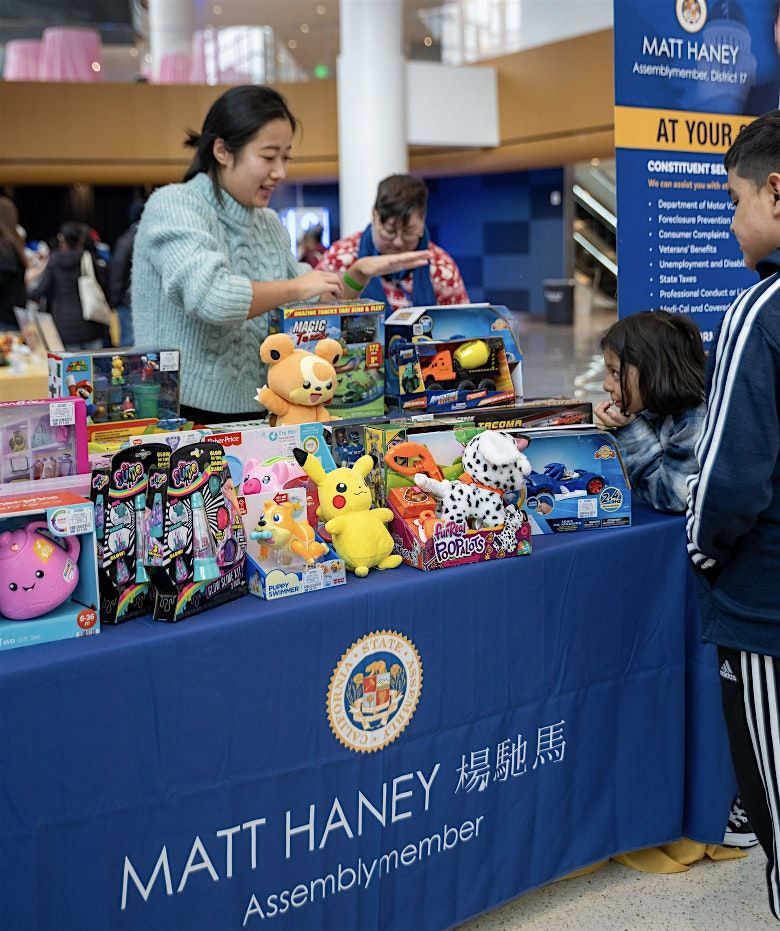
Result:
{"points": [[558, 480]]}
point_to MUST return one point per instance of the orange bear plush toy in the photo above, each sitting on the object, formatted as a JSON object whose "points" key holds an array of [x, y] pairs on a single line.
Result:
{"points": [[300, 383]]}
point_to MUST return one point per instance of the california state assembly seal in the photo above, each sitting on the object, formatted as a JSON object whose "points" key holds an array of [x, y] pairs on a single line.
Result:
{"points": [[374, 690]]}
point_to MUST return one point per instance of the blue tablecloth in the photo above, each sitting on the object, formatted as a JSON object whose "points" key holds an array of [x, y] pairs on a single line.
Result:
{"points": [[187, 776]]}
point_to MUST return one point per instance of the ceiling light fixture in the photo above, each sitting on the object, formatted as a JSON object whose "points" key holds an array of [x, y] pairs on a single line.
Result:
{"points": [[292, 44], [428, 41], [133, 51], [96, 66], [216, 9], [304, 27], [148, 58], [321, 10]]}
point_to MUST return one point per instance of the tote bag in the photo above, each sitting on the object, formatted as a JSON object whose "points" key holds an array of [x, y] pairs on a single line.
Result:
{"points": [[94, 306]]}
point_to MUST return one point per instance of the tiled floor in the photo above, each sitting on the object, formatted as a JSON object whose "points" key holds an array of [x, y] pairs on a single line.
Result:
{"points": [[725, 896]]}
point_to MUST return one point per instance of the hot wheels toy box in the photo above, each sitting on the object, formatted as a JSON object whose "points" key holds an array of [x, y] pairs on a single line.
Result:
{"points": [[453, 322], [41, 440], [578, 481], [450, 517], [118, 384], [285, 556], [452, 376], [359, 327], [48, 572]]}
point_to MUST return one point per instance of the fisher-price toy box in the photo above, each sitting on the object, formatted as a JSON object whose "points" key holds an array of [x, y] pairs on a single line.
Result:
{"points": [[424, 537], [48, 572], [285, 554], [578, 481], [118, 384], [41, 440], [360, 328], [451, 322]]}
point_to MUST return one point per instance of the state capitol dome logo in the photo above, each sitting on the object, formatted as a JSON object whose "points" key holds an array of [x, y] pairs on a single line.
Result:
{"points": [[691, 14], [374, 690]]}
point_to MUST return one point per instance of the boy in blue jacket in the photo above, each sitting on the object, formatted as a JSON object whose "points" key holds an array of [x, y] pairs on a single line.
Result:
{"points": [[734, 502]]}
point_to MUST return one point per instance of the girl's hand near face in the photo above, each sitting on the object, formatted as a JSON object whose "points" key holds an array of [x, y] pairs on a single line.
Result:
{"points": [[609, 414]]}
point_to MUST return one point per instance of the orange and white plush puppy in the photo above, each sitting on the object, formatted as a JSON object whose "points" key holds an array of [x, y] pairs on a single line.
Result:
{"points": [[300, 383]]}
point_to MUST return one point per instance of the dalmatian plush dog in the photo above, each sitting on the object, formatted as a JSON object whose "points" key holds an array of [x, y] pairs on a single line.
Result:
{"points": [[492, 465]]}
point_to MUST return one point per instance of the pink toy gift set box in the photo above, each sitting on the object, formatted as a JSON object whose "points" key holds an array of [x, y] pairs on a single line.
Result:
{"points": [[48, 572], [43, 439], [456, 497]]}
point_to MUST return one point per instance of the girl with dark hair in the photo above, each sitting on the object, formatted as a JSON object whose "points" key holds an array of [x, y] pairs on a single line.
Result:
{"points": [[655, 379], [210, 259], [13, 264], [58, 285]]}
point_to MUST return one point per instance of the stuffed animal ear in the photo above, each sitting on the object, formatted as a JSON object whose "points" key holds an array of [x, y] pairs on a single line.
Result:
{"points": [[364, 465], [275, 348], [329, 349], [311, 465], [521, 442]]}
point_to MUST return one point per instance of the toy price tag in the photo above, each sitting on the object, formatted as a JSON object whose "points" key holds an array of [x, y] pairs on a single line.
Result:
{"points": [[169, 361], [62, 414], [65, 522], [312, 579]]}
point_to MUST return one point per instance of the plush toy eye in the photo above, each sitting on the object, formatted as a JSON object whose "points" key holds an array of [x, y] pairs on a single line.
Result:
{"points": [[265, 479], [13, 586], [307, 385], [277, 518], [341, 488], [329, 385], [39, 573]]}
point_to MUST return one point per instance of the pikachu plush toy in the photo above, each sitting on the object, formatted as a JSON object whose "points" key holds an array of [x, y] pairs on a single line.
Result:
{"points": [[358, 531]]}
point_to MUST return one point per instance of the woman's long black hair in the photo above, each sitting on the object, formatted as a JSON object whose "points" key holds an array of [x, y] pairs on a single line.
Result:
{"points": [[668, 354], [234, 118]]}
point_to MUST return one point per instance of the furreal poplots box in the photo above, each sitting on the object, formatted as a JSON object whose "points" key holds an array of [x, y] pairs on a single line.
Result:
{"points": [[359, 327]]}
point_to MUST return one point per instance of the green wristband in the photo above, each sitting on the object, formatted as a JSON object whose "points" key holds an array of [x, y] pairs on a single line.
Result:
{"points": [[351, 283]]}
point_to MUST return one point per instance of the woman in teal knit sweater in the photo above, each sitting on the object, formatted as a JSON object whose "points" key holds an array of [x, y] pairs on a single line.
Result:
{"points": [[210, 259]]}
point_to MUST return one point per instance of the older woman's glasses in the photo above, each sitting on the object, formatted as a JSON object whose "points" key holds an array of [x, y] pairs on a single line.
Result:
{"points": [[409, 235]]}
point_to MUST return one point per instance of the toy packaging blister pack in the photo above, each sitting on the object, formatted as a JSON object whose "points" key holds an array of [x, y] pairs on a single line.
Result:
{"points": [[578, 481], [453, 375], [41, 440], [195, 539], [48, 574], [456, 495], [119, 491], [119, 384], [285, 556], [360, 328], [453, 322], [261, 459]]}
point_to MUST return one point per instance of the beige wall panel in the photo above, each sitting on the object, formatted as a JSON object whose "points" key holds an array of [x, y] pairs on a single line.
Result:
{"points": [[555, 107]]}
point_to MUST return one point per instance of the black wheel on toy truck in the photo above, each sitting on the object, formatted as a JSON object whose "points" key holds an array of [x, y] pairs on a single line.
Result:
{"points": [[466, 385], [487, 384]]}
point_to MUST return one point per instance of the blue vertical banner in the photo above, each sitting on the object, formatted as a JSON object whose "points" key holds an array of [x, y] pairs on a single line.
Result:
{"points": [[689, 74]]}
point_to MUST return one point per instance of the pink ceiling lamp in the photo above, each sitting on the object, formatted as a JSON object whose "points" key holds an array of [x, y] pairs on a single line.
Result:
{"points": [[71, 54], [22, 60]]}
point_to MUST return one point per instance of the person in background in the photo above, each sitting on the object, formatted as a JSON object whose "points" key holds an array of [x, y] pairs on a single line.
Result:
{"points": [[13, 265], [119, 275], [397, 225], [764, 97], [58, 285], [734, 505], [211, 259], [312, 248]]}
